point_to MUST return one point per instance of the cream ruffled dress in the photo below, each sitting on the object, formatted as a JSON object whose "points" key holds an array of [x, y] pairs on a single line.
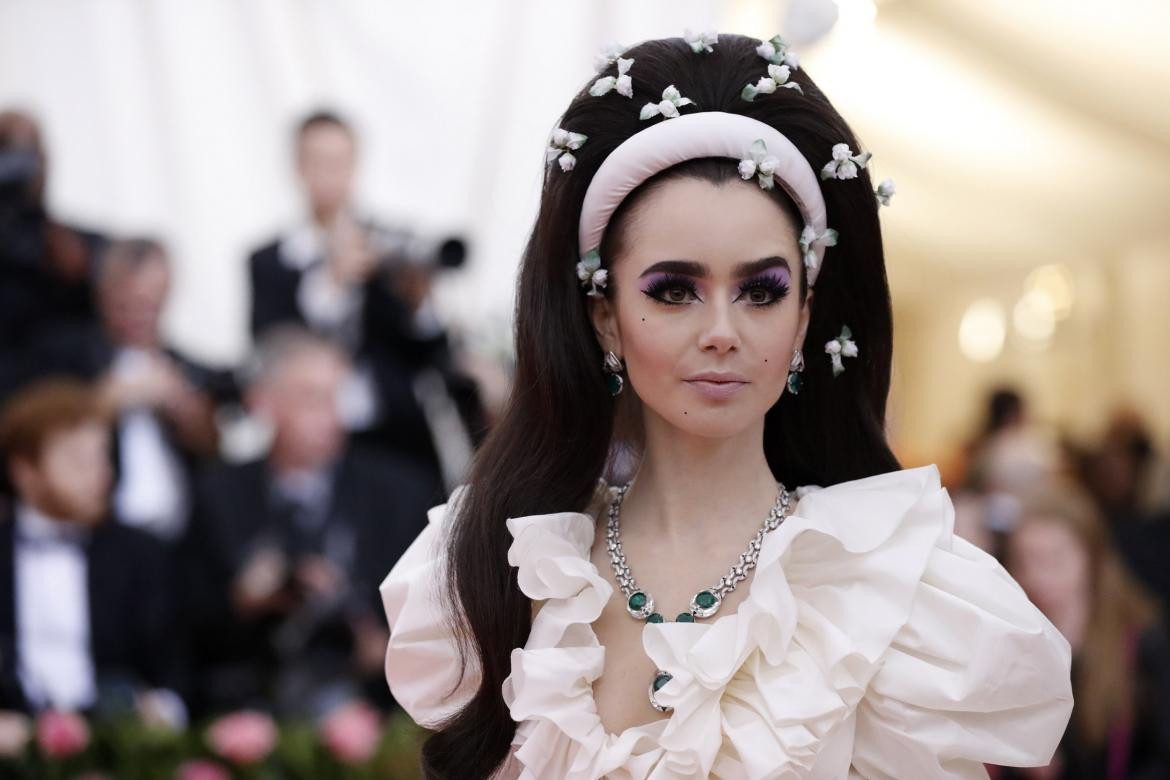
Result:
{"points": [[873, 643]]}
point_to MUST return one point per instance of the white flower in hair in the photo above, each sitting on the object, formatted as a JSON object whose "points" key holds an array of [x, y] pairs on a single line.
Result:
{"points": [[884, 192], [841, 347], [809, 240], [700, 42], [845, 163], [777, 77], [608, 55], [622, 82], [668, 106], [590, 272], [758, 163], [561, 146], [775, 50]]}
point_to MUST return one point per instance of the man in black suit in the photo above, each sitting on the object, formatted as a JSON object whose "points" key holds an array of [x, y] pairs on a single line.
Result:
{"points": [[363, 286], [285, 554], [86, 616], [164, 402]]}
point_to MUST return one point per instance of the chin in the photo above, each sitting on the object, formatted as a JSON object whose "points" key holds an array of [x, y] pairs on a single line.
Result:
{"points": [[714, 423]]}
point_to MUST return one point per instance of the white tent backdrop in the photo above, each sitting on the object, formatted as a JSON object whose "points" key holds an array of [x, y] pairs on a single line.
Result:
{"points": [[1022, 135]]}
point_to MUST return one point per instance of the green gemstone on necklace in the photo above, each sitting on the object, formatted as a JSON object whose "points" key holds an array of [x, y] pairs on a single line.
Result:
{"points": [[705, 599], [654, 617], [685, 617], [661, 679], [637, 600]]}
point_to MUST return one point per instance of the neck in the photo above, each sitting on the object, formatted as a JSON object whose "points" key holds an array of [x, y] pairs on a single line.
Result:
{"points": [[690, 488], [324, 216], [47, 509]]}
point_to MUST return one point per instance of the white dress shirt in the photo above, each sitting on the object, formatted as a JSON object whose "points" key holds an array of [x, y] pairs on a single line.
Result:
{"points": [[54, 659]]}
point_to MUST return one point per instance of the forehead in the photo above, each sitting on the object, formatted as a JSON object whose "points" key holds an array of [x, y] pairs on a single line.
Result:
{"points": [[1047, 532], [64, 439], [310, 366], [326, 135], [720, 225]]}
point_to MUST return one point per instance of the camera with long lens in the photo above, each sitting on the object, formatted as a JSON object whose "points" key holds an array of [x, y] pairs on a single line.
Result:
{"points": [[400, 249]]}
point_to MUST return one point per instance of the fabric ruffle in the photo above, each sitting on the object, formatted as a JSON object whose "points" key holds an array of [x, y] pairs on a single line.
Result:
{"points": [[760, 692], [422, 658], [871, 641]]}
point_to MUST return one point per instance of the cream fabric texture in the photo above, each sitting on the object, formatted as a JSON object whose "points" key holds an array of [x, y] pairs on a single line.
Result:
{"points": [[873, 643]]}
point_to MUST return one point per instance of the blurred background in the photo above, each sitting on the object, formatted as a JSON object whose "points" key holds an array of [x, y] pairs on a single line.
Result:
{"points": [[220, 216]]}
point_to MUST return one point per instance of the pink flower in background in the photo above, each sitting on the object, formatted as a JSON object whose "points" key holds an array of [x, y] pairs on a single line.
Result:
{"points": [[201, 770], [61, 734], [352, 732], [243, 737]]}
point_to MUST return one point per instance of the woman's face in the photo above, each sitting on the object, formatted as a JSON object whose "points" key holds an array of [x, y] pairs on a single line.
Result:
{"points": [[1049, 562], [705, 306]]}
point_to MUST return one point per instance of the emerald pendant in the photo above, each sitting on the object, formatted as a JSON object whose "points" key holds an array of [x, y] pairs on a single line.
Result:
{"points": [[661, 678], [685, 617]]}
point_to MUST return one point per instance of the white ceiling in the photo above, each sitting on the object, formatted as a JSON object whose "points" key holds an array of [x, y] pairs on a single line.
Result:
{"points": [[1018, 133]]}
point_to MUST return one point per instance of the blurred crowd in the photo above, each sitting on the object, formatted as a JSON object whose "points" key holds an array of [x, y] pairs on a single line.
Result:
{"points": [[180, 540], [1086, 532]]}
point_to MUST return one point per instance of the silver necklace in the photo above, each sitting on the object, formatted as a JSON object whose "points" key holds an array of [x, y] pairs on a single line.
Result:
{"points": [[706, 602]]}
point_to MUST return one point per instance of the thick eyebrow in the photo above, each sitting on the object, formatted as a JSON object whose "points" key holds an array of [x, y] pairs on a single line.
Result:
{"points": [[692, 268]]}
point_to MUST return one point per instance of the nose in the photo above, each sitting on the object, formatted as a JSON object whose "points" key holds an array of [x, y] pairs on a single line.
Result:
{"points": [[719, 333]]}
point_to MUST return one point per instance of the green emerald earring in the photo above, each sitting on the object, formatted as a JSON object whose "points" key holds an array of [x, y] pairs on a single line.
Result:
{"points": [[795, 368], [613, 373]]}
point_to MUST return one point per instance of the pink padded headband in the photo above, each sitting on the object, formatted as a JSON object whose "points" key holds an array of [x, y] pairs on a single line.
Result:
{"points": [[690, 137]]}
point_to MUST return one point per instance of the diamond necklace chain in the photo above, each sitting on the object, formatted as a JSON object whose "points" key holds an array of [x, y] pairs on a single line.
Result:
{"points": [[706, 602]]}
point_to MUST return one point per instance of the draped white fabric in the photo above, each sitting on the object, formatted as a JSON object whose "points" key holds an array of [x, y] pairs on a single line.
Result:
{"points": [[872, 641]]}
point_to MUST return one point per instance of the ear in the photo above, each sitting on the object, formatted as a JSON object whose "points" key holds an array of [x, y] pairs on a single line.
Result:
{"points": [[605, 324], [805, 318], [23, 474]]}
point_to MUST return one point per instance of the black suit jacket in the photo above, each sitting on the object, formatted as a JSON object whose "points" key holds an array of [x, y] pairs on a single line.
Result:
{"points": [[133, 632], [387, 343], [379, 499]]}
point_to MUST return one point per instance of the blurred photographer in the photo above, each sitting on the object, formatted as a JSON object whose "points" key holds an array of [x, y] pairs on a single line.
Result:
{"points": [[46, 266], [285, 553], [367, 288], [163, 402]]}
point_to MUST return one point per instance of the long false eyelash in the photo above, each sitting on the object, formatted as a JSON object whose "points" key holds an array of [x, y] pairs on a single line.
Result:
{"points": [[779, 290], [668, 281]]}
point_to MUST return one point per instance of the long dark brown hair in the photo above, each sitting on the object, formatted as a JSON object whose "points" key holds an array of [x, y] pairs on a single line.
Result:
{"points": [[551, 443]]}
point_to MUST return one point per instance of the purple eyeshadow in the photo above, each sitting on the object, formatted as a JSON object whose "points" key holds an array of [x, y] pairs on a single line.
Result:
{"points": [[778, 276]]}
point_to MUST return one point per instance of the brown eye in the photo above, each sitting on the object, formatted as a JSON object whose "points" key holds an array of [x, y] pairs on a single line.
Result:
{"points": [[759, 296], [677, 294]]}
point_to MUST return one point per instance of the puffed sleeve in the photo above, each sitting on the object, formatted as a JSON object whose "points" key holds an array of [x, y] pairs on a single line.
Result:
{"points": [[976, 675], [422, 658]]}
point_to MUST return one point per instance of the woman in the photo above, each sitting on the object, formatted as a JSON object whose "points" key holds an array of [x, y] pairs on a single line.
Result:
{"points": [[1063, 557], [553, 623]]}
